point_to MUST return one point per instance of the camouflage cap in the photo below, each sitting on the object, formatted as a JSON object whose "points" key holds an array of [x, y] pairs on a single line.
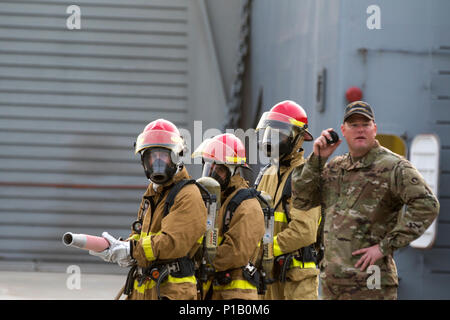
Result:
{"points": [[359, 107]]}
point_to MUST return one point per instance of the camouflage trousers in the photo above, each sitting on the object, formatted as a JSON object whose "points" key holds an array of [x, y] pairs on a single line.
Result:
{"points": [[332, 291]]}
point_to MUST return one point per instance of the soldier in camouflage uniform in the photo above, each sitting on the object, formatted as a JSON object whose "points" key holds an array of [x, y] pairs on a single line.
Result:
{"points": [[362, 194]]}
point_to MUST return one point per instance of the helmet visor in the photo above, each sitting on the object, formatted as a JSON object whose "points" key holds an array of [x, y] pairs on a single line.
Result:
{"points": [[200, 150], [218, 172], [275, 142]]}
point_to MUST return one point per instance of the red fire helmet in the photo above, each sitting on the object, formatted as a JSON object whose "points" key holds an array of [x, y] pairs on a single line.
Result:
{"points": [[224, 148], [160, 133], [286, 115]]}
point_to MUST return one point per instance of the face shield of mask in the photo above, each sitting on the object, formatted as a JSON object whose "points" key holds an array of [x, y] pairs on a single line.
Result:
{"points": [[159, 165], [276, 142], [218, 172]]}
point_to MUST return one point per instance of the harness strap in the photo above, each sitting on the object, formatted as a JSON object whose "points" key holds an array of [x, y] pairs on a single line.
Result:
{"points": [[241, 195], [173, 193]]}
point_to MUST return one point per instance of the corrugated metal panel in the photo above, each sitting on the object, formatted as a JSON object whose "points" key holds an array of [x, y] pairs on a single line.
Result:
{"points": [[71, 104]]}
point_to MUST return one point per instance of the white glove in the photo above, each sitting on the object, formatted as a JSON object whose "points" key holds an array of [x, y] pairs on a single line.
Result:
{"points": [[118, 251]]}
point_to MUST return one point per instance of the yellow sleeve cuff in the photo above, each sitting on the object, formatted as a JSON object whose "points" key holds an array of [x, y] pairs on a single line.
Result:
{"points": [[276, 247], [147, 246], [134, 237]]}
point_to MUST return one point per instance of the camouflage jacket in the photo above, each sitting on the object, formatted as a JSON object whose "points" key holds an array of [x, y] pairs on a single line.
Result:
{"points": [[363, 203]]}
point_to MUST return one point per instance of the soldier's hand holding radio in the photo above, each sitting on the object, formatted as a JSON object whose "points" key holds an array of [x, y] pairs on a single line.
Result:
{"points": [[326, 143]]}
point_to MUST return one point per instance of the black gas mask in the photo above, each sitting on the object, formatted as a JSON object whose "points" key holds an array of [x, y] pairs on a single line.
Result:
{"points": [[218, 172], [277, 142], [159, 165]]}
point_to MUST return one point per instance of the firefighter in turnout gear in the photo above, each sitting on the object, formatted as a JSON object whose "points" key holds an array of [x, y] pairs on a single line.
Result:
{"points": [[295, 274], [164, 239], [240, 221]]}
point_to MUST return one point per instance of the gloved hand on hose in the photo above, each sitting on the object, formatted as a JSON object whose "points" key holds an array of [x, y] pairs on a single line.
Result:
{"points": [[118, 251]]}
